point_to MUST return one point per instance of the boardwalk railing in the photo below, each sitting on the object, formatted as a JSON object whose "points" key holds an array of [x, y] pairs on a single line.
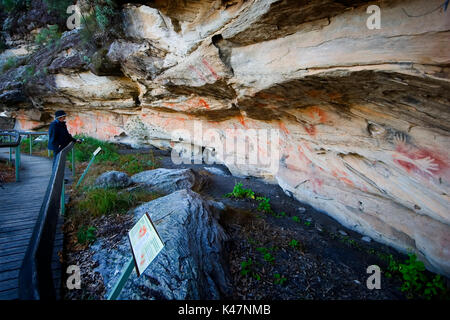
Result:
{"points": [[16, 144], [12, 144], [35, 278]]}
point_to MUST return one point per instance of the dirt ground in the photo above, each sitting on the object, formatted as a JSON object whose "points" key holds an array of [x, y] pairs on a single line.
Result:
{"points": [[7, 172], [327, 261]]}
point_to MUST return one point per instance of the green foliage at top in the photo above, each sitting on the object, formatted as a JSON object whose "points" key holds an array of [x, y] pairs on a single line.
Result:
{"points": [[416, 282], [83, 151], [101, 21], [48, 35], [240, 192], [14, 5]]}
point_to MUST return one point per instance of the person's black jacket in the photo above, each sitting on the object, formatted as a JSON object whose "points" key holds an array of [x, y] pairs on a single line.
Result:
{"points": [[58, 136]]}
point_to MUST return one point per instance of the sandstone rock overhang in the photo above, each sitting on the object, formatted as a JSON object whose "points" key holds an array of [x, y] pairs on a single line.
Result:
{"points": [[363, 115]]}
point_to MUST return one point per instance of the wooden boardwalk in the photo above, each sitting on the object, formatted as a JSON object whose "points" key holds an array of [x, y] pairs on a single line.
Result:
{"points": [[20, 203]]}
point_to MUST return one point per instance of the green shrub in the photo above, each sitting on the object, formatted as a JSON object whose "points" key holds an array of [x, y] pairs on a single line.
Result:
{"points": [[10, 63], [83, 151], [49, 35], [264, 204], [281, 215], [86, 235], [247, 268], [268, 257], [28, 74], [14, 5], [294, 243], [296, 219], [101, 21], [416, 282], [240, 192]]}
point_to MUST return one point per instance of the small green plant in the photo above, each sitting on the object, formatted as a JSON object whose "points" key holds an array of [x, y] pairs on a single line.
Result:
{"points": [[280, 215], [294, 243], [262, 250], [264, 204], [246, 266], [86, 235], [28, 74], [240, 192], [279, 279], [434, 288], [256, 276], [268, 257], [416, 283], [296, 219], [307, 223], [48, 35]]}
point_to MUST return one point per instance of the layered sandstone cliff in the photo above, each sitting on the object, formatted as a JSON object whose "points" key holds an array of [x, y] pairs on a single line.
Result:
{"points": [[362, 115]]}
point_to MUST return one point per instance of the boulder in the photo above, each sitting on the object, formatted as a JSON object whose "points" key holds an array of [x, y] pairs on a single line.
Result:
{"points": [[113, 179], [191, 264], [169, 180]]}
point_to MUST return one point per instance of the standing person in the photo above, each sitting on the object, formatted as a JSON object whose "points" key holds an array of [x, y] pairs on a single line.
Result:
{"points": [[58, 135]]}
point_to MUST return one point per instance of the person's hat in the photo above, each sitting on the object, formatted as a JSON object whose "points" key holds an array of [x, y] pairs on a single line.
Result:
{"points": [[59, 114]]}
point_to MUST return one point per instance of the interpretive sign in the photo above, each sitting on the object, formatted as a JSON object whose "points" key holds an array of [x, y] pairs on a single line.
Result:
{"points": [[97, 151], [145, 243]]}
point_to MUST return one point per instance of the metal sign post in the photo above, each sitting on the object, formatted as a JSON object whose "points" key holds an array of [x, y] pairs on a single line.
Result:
{"points": [[87, 168]]}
